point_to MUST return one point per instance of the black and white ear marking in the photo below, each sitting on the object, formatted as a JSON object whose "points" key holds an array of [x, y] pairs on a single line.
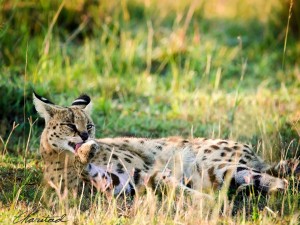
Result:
{"points": [[44, 107], [45, 100], [83, 102]]}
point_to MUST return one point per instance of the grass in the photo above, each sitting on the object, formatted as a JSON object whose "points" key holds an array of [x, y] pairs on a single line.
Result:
{"points": [[153, 69]]}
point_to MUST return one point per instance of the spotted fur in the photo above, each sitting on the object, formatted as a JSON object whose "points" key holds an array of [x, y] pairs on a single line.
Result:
{"points": [[200, 164], [65, 127], [128, 165]]}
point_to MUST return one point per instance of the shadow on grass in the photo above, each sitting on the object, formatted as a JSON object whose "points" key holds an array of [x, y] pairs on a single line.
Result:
{"points": [[18, 184]]}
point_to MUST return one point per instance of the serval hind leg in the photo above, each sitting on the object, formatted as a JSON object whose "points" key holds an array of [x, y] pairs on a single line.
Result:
{"points": [[242, 177]]}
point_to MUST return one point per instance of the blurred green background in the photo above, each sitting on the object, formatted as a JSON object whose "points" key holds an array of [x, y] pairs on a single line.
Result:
{"points": [[219, 68]]}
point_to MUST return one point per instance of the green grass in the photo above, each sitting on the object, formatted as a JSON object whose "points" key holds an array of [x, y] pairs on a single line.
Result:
{"points": [[153, 69]]}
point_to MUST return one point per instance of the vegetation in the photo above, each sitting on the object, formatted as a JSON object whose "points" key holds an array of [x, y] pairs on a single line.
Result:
{"points": [[226, 69]]}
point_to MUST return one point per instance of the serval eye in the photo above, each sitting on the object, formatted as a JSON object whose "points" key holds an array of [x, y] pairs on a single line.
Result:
{"points": [[71, 126], [89, 126]]}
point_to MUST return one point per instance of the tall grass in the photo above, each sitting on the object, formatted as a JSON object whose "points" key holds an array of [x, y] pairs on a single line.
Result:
{"points": [[153, 69]]}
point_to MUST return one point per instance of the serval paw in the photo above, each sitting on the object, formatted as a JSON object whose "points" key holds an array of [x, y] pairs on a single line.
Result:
{"points": [[86, 151]]}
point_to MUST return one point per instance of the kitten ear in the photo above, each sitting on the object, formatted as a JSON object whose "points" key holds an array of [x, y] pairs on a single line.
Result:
{"points": [[44, 107], [83, 102]]}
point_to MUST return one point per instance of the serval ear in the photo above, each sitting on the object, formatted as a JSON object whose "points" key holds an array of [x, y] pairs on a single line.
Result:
{"points": [[44, 107], [83, 102]]}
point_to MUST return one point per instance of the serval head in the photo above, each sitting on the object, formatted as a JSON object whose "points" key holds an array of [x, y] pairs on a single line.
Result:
{"points": [[66, 128]]}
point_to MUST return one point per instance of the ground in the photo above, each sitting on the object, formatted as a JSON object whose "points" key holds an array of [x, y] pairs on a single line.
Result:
{"points": [[219, 69]]}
